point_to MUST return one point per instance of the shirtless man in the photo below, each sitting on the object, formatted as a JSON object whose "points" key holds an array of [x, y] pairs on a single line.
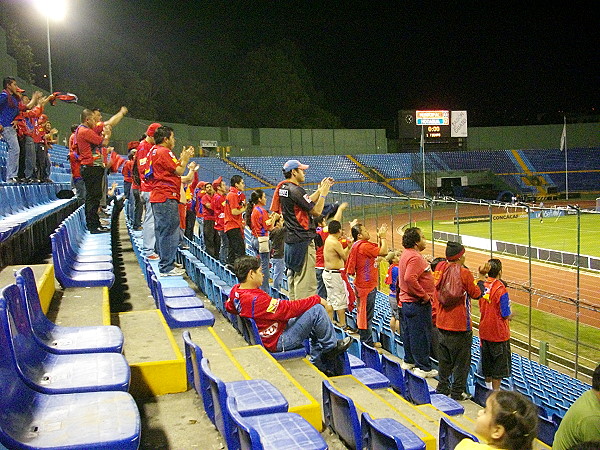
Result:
{"points": [[334, 277]]}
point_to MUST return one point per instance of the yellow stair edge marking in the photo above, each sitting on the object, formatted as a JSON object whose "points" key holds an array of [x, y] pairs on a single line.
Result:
{"points": [[46, 287], [426, 437], [227, 351], [311, 411], [159, 377], [106, 306]]}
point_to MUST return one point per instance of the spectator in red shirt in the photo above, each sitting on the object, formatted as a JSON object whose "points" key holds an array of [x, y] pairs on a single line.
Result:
{"points": [[455, 327], [127, 172], [148, 236], [362, 262], [494, 325], [261, 223], [211, 237], [416, 291], [219, 207], [75, 162], [235, 205], [166, 175], [89, 140], [282, 324]]}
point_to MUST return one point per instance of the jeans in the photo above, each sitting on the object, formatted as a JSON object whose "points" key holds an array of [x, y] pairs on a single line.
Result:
{"points": [[264, 263], [454, 360], [29, 157], [148, 234], [278, 270], [200, 222], [224, 250], [416, 330], [13, 150], [138, 208], [314, 324], [129, 198], [366, 336], [92, 177], [167, 233]]}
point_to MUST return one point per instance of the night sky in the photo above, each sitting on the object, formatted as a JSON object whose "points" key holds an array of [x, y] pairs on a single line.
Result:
{"points": [[368, 59]]}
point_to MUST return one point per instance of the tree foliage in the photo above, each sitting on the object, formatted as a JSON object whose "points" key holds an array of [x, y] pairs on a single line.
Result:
{"points": [[18, 47]]}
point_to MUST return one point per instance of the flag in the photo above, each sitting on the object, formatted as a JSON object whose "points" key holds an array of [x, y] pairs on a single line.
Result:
{"points": [[65, 97], [563, 138]]}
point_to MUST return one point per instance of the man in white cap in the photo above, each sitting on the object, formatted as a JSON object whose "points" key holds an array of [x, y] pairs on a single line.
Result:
{"points": [[298, 208]]}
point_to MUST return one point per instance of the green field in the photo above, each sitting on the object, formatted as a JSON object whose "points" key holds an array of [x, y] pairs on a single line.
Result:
{"points": [[555, 233]]}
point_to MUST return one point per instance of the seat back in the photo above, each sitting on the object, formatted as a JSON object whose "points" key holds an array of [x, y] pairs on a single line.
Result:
{"points": [[196, 377], [223, 420], [417, 387], [247, 435], [22, 344], [371, 357], [16, 399], [37, 320], [395, 374], [375, 437], [450, 435], [340, 415], [481, 393]]}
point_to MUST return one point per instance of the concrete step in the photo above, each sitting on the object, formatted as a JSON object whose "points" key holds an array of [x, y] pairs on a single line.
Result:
{"points": [[368, 400]]}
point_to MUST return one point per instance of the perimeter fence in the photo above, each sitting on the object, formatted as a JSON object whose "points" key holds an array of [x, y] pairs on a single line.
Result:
{"points": [[550, 257]]}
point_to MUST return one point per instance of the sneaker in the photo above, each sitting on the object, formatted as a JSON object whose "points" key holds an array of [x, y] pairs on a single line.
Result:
{"points": [[341, 346], [349, 329], [179, 266], [462, 397], [173, 273], [407, 366], [100, 230], [425, 374], [153, 257]]}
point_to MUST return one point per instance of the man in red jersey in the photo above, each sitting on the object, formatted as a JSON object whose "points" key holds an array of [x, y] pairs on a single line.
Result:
{"points": [[75, 162], [90, 140], [166, 177], [284, 325], [235, 205], [211, 237], [148, 236]]}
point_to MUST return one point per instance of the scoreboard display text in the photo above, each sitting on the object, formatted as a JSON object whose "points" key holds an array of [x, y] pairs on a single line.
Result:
{"points": [[436, 124]]}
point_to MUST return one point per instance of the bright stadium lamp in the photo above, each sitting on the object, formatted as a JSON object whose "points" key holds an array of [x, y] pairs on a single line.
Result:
{"points": [[55, 10]]}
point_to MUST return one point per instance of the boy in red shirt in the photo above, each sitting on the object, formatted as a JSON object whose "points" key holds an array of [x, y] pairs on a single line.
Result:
{"points": [[283, 324], [211, 237], [362, 262], [455, 327], [494, 325], [219, 207]]}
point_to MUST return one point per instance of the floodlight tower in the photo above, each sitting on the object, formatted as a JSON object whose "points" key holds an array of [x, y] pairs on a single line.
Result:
{"points": [[52, 10]]}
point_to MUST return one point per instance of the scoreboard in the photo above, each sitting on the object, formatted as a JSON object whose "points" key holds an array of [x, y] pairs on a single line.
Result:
{"points": [[437, 125]]}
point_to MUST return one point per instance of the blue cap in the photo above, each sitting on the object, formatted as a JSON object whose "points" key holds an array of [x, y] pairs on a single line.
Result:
{"points": [[294, 164]]}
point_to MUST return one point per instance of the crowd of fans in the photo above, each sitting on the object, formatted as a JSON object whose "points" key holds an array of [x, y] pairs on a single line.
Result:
{"points": [[303, 237]]}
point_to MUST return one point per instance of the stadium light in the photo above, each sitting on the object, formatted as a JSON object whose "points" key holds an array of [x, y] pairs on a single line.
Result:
{"points": [[55, 10]]}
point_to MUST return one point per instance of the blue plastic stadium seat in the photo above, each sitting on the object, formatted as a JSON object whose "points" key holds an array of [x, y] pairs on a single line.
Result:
{"points": [[369, 377], [51, 373], [450, 435], [255, 396], [57, 339], [546, 430], [419, 394], [275, 431], [387, 434]]}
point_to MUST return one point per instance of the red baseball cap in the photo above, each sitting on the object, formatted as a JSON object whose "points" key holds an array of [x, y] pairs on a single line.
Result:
{"points": [[216, 183], [132, 144], [152, 128]]}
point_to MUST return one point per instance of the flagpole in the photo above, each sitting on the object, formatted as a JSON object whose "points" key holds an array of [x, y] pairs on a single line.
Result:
{"points": [[423, 157], [566, 158]]}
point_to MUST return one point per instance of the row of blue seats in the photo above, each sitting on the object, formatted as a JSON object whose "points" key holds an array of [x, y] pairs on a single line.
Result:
{"points": [[23, 205], [172, 295], [63, 387], [81, 259]]}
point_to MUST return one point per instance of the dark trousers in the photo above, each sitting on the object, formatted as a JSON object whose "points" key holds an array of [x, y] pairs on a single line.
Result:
{"points": [[366, 336], [41, 162], [237, 247], [138, 208], [416, 334], [190, 221], [211, 239], [454, 353], [92, 177]]}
